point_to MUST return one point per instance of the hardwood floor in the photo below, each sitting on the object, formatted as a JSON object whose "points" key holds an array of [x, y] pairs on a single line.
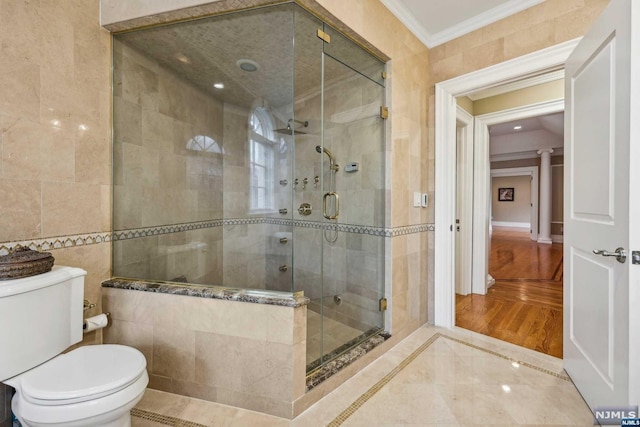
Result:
{"points": [[524, 306]]}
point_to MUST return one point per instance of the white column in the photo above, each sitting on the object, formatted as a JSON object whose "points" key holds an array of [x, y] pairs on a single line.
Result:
{"points": [[544, 232]]}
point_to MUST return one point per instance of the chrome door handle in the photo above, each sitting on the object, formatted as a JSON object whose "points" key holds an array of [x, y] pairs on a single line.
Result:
{"points": [[619, 253]]}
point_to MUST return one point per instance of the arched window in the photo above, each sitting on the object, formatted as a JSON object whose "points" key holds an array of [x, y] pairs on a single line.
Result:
{"points": [[261, 160], [204, 143]]}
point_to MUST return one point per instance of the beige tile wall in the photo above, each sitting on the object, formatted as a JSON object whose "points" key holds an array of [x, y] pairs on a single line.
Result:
{"points": [[55, 163], [239, 354], [156, 114], [549, 23], [55, 151]]}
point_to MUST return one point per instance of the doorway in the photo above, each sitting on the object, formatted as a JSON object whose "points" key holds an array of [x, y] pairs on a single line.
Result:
{"points": [[537, 63], [521, 301]]}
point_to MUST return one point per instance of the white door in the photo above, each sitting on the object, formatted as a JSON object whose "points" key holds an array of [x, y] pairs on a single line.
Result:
{"points": [[597, 158]]}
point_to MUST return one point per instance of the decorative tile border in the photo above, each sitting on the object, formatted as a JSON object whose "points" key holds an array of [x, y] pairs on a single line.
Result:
{"points": [[357, 404], [412, 229], [510, 359], [58, 242], [136, 233], [61, 242], [163, 419]]}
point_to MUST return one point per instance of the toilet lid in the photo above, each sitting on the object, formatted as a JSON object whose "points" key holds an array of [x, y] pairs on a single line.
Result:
{"points": [[82, 374]]}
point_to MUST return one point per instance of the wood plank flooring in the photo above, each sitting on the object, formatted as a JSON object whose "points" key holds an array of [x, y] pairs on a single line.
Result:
{"points": [[524, 306]]}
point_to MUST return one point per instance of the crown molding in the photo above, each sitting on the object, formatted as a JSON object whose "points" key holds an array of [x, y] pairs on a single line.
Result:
{"points": [[403, 13], [489, 17], [405, 16]]}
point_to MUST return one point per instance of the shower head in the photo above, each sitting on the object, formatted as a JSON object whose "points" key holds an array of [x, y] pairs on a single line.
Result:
{"points": [[289, 130], [332, 161]]}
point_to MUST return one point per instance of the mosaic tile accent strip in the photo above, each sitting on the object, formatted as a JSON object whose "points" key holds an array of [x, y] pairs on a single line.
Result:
{"points": [[357, 404], [163, 419], [136, 233], [215, 292], [510, 359], [61, 242], [345, 228], [58, 242], [411, 229]]}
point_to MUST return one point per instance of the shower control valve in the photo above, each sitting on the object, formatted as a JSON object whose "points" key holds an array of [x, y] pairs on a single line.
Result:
{"points": [[305, 181], [296, 182], [304, 209]]}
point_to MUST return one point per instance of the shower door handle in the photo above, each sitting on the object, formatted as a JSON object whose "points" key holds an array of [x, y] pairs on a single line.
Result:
{"points": [[337, 205]]}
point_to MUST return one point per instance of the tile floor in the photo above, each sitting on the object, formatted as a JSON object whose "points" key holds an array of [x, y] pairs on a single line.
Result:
{"points": [[444, 377]]}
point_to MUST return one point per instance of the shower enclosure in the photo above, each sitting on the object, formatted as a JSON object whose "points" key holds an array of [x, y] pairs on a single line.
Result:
{"points": [[249, 152]]}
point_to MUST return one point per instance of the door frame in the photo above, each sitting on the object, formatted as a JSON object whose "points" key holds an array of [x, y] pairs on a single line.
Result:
{"points": [[464, 257], [545, 60], [482, 183]]}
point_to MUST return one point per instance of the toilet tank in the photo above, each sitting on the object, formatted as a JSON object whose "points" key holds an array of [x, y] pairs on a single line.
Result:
{"points": [[40, 317]]}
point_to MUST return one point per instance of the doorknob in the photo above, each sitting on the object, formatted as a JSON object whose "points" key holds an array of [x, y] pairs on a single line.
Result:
{"points": [[619, 253]]}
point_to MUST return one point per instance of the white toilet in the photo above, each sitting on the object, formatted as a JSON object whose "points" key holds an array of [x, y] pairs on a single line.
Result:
{"points": [[40, 317]]}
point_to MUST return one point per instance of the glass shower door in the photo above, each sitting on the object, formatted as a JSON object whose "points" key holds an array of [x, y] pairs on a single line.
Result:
{"points": [[353, 208], [338, 171]]}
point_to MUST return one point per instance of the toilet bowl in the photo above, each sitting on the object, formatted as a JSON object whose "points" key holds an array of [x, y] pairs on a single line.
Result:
{"points": [[91, 386]]}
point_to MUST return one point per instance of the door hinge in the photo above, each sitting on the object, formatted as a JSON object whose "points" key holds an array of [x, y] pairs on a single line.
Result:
{"points": [[382, 304], [384, 75], [384, 112], [324, 36]]}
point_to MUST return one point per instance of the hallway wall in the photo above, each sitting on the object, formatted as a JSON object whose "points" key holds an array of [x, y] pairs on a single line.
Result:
{"points": [[518, 210]]}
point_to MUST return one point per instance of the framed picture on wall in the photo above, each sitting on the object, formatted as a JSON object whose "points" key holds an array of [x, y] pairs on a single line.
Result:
{"points": [[505, 194]]}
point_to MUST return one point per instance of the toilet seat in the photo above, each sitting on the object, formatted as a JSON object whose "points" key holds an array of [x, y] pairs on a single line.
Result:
{"points": [[84, 374]]}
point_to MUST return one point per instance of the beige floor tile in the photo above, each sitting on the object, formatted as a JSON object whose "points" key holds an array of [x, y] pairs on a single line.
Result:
{"points": [[467, 379]]}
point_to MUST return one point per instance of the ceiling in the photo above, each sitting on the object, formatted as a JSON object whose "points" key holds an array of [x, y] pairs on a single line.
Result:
{"points": [[436, 22], [206, 51], [553, 123]]}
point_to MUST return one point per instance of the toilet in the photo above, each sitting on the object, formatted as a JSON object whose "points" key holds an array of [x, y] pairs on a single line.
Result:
{"points": [[96, 385]]}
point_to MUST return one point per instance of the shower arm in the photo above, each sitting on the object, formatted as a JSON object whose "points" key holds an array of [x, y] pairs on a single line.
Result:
{"points": [[300, 122]]}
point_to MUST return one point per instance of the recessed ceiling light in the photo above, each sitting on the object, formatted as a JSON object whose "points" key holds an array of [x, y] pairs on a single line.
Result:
{"points": [[517, 127], [247, 65], [218, 85]]}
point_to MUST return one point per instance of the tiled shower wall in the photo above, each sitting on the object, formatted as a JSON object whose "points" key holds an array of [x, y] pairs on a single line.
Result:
{"points": [[156, 112], [158, 179]]}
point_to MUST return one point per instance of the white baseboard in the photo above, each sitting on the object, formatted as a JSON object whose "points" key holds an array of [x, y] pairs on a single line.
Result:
{"points": [[557, 238], [511, 224]]}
